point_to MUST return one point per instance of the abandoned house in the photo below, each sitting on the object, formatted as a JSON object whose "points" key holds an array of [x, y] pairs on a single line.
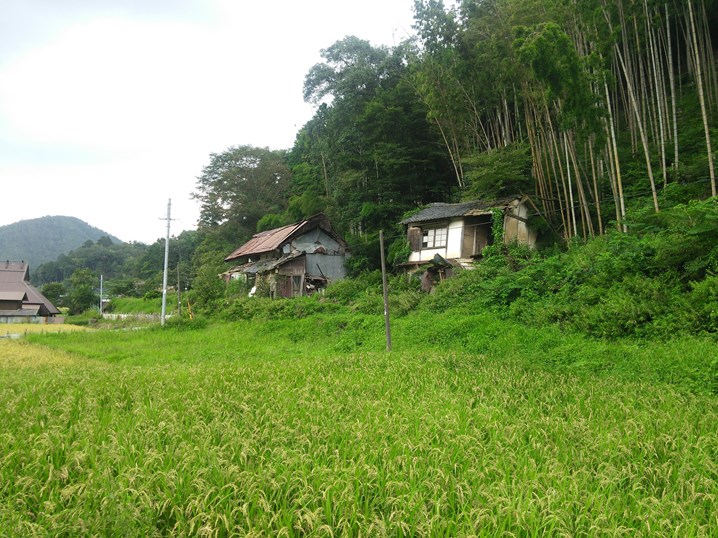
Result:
{"points": [[20, 302], [447, 236], [297, 259]]}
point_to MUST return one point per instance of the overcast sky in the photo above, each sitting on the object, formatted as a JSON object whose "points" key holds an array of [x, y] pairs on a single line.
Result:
{"points": [[108, 108]]}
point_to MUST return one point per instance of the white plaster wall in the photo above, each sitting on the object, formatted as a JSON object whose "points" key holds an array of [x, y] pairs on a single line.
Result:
{"points": [[452, 248], [426, 254], [453, 244]]}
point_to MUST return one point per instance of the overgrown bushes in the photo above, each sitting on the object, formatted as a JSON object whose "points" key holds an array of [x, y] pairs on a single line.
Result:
{"points": [[659, 280], [362, 295]]}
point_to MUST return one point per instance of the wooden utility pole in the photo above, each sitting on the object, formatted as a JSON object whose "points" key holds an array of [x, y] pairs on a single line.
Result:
{"points": [[386, 291]]}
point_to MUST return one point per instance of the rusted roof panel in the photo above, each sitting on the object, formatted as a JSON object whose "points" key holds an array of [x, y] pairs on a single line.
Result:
{"points": [[273, 239], [265, 241], [263, 266]]}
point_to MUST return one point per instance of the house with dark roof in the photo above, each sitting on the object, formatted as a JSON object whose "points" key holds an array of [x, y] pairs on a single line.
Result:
{"points": [[454, 235], [20, 301], [297, 259]]}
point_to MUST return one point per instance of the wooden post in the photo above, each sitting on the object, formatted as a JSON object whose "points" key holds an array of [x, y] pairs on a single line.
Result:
{"points": [[386, 291]]}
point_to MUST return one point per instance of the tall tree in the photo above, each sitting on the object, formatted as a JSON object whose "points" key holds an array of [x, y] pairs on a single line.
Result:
{"points": [[369, 150], [237, 188]]}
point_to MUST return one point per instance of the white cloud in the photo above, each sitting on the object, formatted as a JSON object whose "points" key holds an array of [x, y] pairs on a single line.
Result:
{"points": [[119, 108]]}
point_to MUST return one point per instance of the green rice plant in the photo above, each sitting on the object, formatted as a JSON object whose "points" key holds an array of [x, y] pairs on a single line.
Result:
{"points": [[265, 428], [430, 444]]}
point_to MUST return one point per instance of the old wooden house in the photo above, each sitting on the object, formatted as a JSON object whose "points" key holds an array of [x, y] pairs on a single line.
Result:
{"points": [[20, 301], [297, 259], [443, 236]]}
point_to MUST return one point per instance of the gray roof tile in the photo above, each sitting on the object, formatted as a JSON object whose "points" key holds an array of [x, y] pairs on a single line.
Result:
{"points": [[440, 211]]}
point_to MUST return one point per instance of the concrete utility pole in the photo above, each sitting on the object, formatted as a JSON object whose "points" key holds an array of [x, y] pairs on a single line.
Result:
{"points": [[167, 255]]}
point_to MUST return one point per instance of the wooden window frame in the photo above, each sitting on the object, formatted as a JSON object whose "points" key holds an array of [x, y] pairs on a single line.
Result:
{"points": [[429, 238]]}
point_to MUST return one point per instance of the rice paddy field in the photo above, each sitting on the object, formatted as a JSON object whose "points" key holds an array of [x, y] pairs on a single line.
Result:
{"points": [[309, 428], [9, 329]]}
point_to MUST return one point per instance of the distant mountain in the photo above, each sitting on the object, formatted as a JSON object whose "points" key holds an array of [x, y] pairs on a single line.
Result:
{"points": [[43, 239]]}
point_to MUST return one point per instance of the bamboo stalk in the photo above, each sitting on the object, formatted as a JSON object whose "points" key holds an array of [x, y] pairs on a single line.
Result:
{"points": [[616, 163], [671, 81], [596, 196], [657, 96], [701, 98]]}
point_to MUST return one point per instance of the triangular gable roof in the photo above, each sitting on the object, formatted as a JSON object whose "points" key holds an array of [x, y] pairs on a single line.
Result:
{"points": [[270, 240], [14, 279], [14, 271], [441, 211]]}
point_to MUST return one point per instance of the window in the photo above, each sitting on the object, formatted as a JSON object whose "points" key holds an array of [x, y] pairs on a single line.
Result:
{"points": [[434, 238]]}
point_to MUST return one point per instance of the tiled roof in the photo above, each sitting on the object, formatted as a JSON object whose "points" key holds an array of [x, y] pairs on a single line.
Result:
{"points": [[12, 295], [440, 211]]}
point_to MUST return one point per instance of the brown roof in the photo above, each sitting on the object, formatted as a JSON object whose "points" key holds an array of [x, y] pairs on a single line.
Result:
{"points": [[265, 241], [273, 239], [14, 271], [12, 295], [14, 279]]}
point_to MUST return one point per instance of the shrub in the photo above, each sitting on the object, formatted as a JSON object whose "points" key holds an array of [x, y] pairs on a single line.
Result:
{"points": [[184, 323], [350, 290], [277, 309], [703, 302]]}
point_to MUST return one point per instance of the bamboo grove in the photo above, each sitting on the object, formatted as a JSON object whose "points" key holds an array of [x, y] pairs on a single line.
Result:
{"points": [[593, 108], [578, 81]]}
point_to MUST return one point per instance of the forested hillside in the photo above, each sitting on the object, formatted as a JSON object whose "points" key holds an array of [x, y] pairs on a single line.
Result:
{"points": [[592, 108], [43, 239], [601, 112], [127, 269]]}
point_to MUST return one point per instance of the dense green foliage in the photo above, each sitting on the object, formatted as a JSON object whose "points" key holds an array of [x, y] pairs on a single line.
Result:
{"points": [[136, 305], [127, 270], [565, 393], [238, 188], [41, 240], [592, 109], [658, 281]]}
